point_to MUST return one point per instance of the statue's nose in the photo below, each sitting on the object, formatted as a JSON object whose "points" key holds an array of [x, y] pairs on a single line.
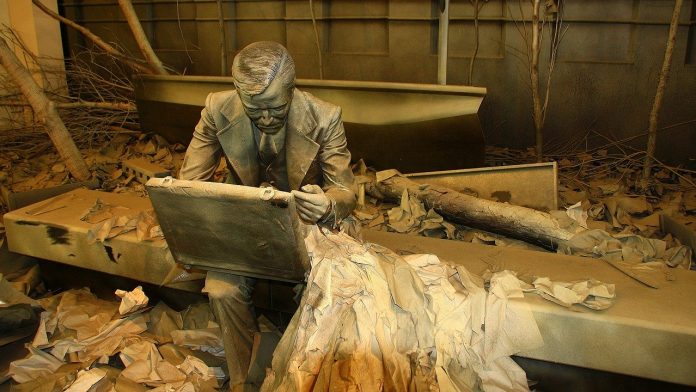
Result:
{"points": [[266, 118]]}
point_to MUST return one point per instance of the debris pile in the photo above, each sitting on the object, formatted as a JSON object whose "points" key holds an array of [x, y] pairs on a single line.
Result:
{"points": [[84, 343]]}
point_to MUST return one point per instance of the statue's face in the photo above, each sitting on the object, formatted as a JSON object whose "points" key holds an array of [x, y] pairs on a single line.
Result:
{"points": [[268, 110]]}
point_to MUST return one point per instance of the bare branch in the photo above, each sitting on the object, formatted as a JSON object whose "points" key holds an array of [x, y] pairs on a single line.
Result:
{"points": [[141, 38], [95, 39], [659, 94], [80, 104], [46, 113], [316, 39]]}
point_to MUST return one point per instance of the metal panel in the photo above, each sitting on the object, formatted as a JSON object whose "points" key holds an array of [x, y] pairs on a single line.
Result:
{"points": [[534, 185], [231, 228]]}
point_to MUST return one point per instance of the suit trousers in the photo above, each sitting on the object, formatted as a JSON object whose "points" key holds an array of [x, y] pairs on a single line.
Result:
{"points": [[230, 300]]}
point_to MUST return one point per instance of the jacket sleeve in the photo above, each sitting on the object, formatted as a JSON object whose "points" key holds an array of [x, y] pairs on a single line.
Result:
{"points": [[204, 152], [334, 158]]}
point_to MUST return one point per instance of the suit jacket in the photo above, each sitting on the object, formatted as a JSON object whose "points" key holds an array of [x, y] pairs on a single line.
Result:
{"points": [[315, 147]]}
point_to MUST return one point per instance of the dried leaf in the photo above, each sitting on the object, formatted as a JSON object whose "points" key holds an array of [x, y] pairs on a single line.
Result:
{"points": [[58, 168]]}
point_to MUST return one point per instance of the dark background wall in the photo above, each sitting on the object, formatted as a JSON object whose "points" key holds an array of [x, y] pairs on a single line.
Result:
{"points": [[604, 81]]}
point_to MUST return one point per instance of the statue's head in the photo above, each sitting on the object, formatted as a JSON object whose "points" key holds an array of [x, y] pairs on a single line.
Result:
{"points": [[264, 75]]}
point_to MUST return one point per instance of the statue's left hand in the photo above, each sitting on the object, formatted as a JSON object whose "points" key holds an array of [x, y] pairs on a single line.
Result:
{"points": [[312, 203]]}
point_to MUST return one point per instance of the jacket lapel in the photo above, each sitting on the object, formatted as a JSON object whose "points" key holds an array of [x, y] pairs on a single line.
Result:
{"points": [[300, 149], [237, 140]]}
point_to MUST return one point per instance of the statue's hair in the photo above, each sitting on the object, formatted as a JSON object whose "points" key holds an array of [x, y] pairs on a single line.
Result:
{"points": [[255, 67]]}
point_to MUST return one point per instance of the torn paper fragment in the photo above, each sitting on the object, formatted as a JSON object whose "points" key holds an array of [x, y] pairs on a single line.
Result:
{"points": [[164, 320], [153, 373], [196, 369], [590, 293], [142, 350], [86, 379], [131, 300], [147, 227], [37, 364], [208, 340], [407, 217], [386, 174], [576, 213], [10, 296]]}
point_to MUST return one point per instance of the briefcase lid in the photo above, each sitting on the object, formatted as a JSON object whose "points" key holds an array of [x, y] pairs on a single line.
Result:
{"points": [[242, 230]]}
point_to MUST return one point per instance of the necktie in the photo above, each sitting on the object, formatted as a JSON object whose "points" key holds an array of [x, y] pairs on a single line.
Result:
{"points": [[267, 148]]}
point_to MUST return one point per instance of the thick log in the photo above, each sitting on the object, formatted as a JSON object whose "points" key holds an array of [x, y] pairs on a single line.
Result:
{"points": [[46, 112], [522, 223]]}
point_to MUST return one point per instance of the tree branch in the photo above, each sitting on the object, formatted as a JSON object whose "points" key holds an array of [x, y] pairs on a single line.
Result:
{"points": [[95, 39], [659, 94], [80, 104], [46, 113], [141, 38]]}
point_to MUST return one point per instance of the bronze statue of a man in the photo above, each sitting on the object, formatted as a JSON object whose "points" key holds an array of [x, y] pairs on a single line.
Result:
{"points": [[270, 133]]}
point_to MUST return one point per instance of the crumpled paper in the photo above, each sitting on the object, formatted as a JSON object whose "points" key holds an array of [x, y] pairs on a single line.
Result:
{"points": [[9, 295], [78, 335], [207, 340], [87, 379], [411, 217], [109, 221], [37, 364], [372, 320], [590, 293], [407, 216], [131, 301], [578, 214], [626, 247]]}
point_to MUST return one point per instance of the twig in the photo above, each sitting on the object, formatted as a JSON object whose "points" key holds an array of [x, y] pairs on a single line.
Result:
{"points": [[477, 10], [81, 104], [316, 39], [659, 94], [223, 39]]}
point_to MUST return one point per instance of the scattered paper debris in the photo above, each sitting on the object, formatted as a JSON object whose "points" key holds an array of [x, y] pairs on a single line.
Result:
{"points": [[626, 247], [80, 334]]}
